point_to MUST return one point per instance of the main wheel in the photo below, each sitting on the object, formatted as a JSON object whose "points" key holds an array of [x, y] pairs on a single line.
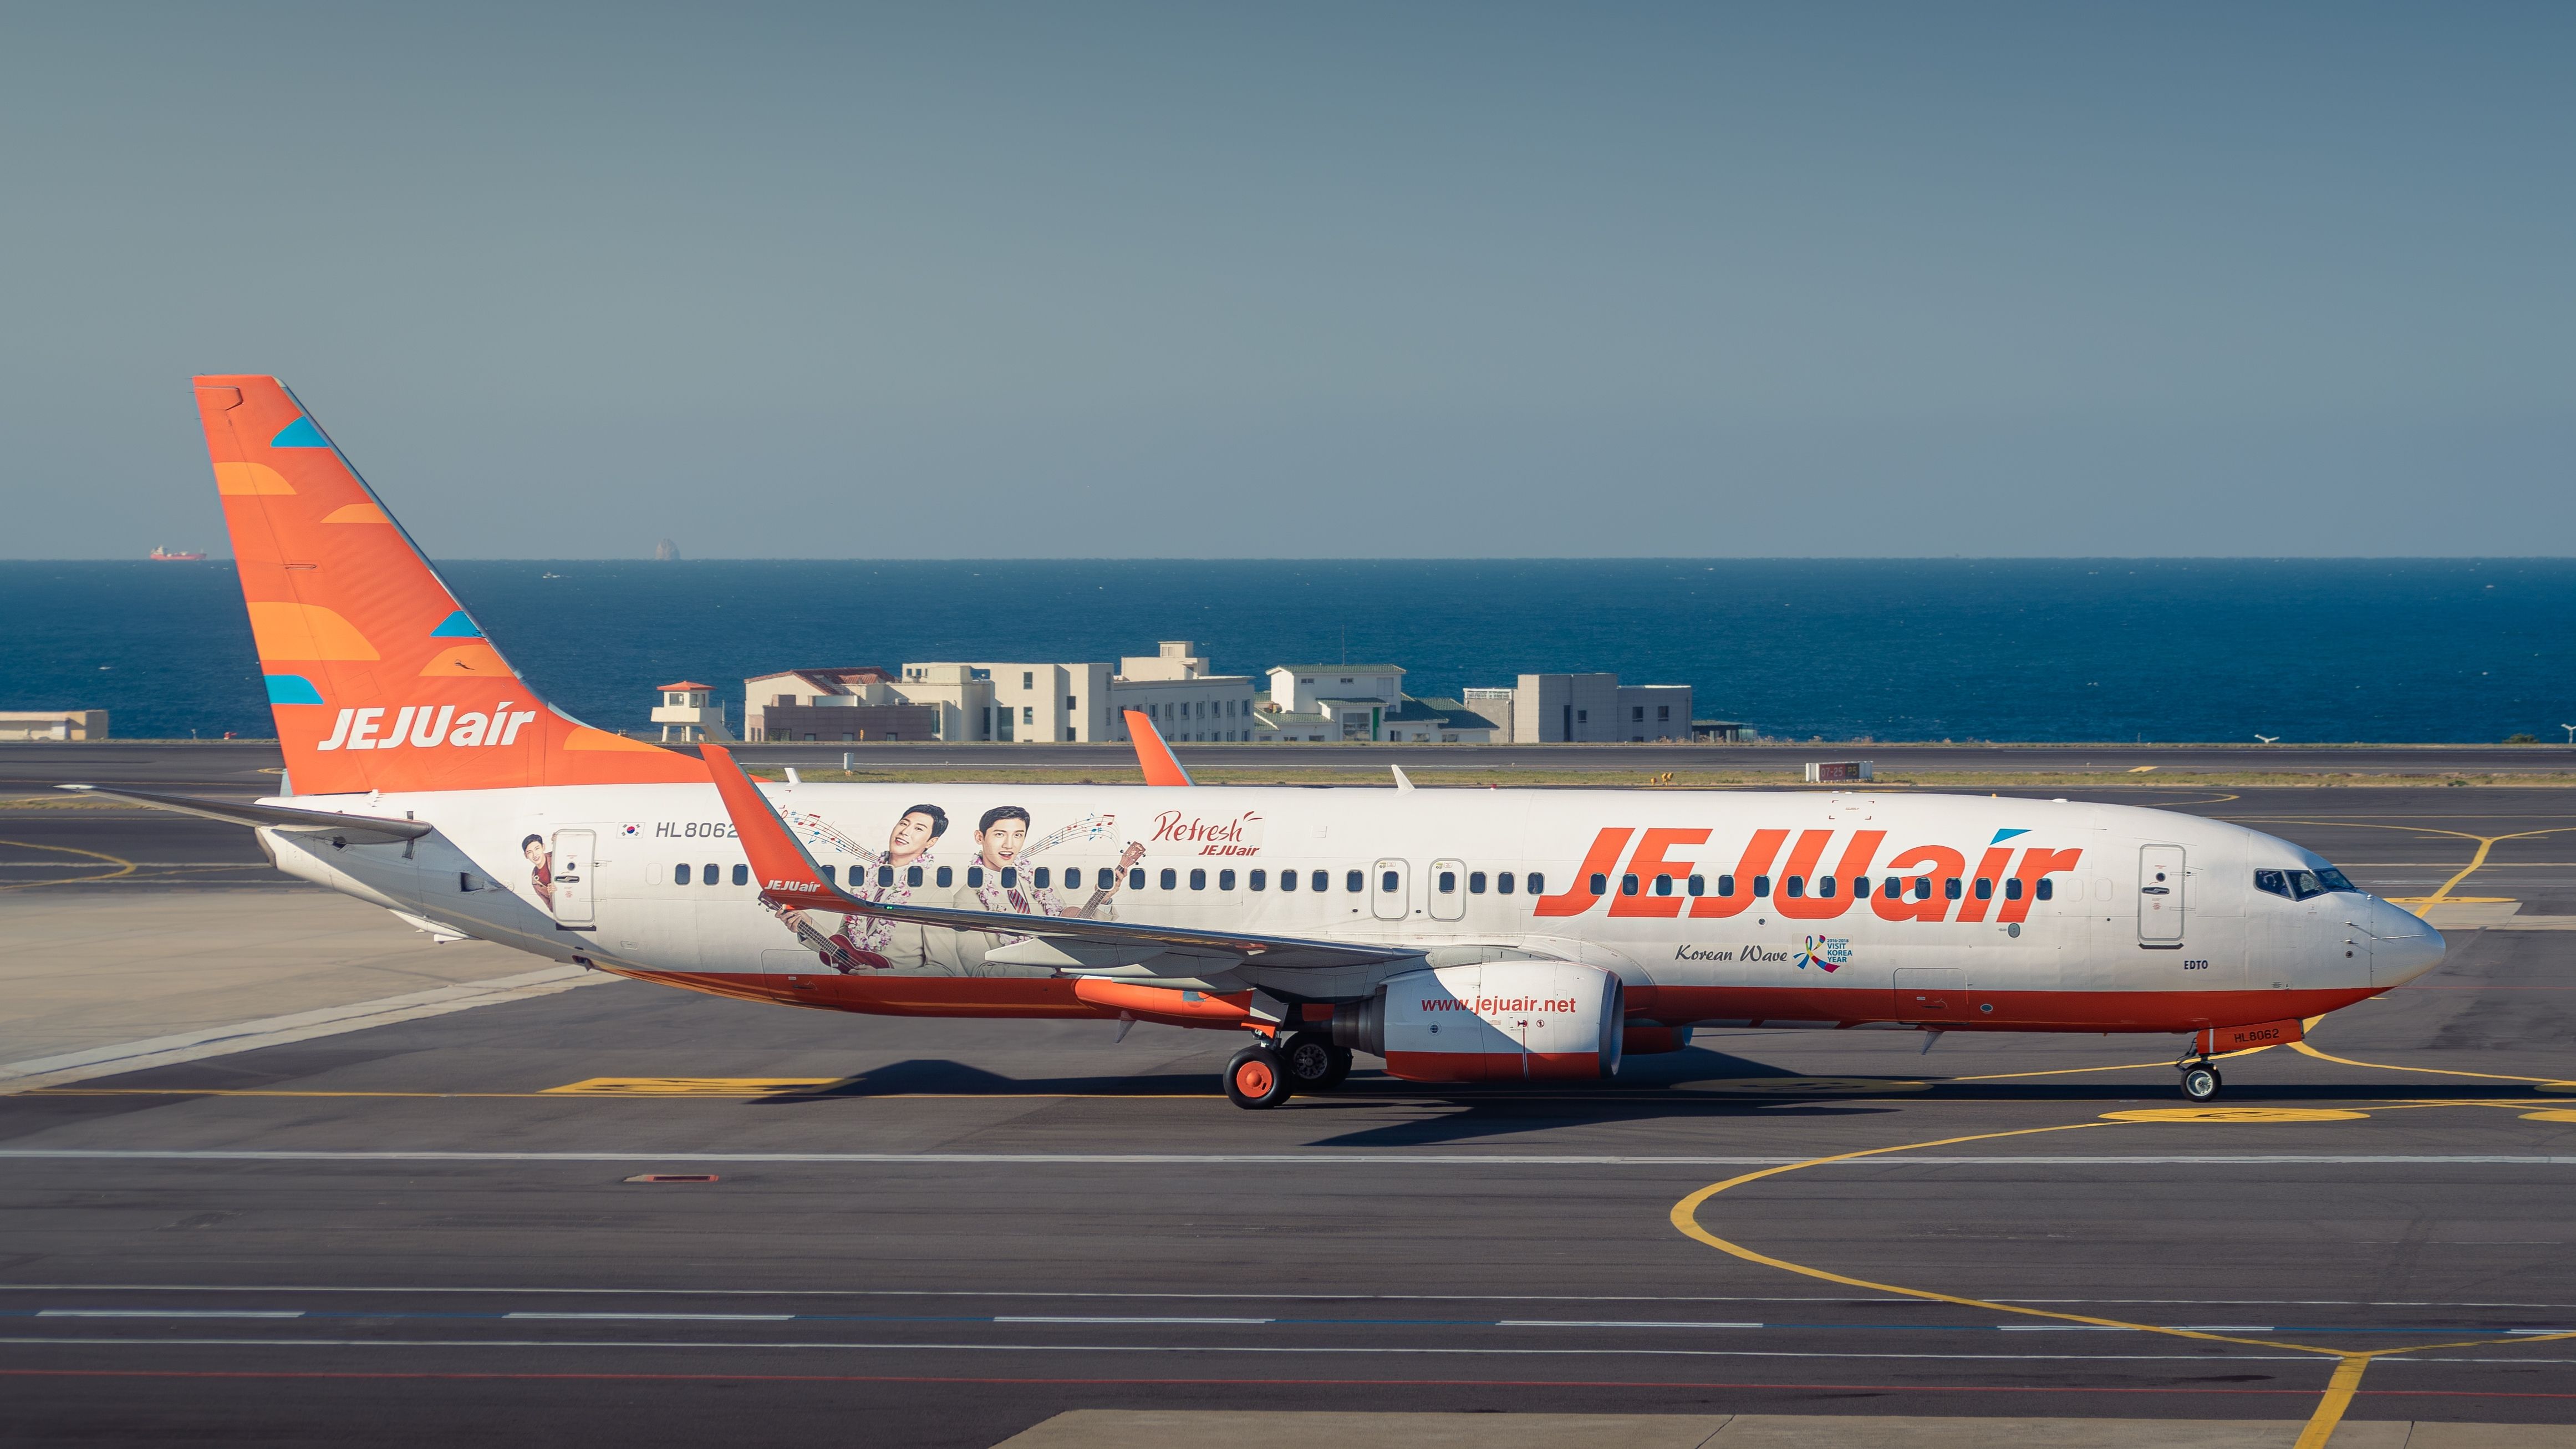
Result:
{"points": [[1310, 1058], [1341, 1068], [1256, 1078], [2200, 1083]]}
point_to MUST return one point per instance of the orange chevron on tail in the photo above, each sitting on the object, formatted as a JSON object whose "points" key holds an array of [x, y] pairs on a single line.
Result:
{"points": [[377, 676]]}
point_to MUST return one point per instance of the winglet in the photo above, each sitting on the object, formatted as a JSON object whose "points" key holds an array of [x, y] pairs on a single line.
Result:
{"points": [[1402, 780], [787, 875], [1160, 765]]}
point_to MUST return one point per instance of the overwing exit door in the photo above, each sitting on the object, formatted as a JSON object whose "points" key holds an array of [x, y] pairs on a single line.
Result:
{"points": [[574, 873], [1389, 895], [2160, 896]]}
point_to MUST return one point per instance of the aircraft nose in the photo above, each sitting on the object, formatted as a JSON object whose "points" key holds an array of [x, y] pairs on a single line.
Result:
{"points": [[2406, 948]]}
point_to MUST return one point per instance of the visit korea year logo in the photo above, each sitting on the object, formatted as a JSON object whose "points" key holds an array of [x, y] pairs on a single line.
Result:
{"points": [[1825, 953]]}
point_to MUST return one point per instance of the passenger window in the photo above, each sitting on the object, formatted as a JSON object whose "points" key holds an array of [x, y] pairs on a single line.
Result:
{"points": [[2012, 889], [1475, 882], [1198, 880], [1923, 887], [1136, 879], [1761, 886], [1010, 877], [707, 874], [974, 876], [1794, 886], [1663, 885], [679, 875], [1726, 885], [1072, 878], [742, 875], [1260, 880], [2044, 889], [912, 875], [1824, 887], [1355, 881], [1600, 884], [1627, 885], [1536, 884], [1287, 879], [1698, 885], [1320, 881], [2273, 882], [1949, 887], [1171, 880], [1225, 880], [947, 877], [1503, 883], [1386, 882], [831, 875], [1985, 888], [885, 875], [1448, 882]]}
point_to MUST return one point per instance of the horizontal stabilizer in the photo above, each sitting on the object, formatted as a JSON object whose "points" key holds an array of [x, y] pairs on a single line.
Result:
{"points": [[369, 829]]}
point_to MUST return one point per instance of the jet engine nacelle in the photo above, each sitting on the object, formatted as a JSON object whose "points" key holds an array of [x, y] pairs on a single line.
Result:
{"points": [[1494, 1021]]}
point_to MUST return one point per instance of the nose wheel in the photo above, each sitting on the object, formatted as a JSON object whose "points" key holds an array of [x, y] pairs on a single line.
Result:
{"points": [[2201, 1081]]}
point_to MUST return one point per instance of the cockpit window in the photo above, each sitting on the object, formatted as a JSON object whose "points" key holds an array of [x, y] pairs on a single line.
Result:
{"points": [[2301, 885]]}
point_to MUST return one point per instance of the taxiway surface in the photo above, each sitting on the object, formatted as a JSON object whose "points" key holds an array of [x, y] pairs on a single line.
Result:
{"points": [[944, 1232]]}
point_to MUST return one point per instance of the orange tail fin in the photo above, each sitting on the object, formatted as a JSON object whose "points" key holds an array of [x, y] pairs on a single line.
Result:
{"points": [[378, 678]]}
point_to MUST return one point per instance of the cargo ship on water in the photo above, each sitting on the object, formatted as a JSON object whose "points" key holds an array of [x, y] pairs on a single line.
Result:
{"points": [[163, 555]]}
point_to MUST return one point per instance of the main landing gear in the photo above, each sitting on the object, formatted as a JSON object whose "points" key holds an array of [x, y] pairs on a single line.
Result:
{"points": [[2200, 1078], [1262, 1075]]}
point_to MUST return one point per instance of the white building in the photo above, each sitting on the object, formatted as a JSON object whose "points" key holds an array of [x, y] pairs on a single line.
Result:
{"points": [[993, 700], [1588, 709], [688, 713], [1174, 689], [53, 724], [1335, 703]]}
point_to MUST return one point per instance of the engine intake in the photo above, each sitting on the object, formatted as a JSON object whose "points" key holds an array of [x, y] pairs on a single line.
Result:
{"points": [[1493, 1021]]}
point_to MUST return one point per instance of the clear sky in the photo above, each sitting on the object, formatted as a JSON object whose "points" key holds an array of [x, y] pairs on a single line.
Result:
{"points": [[945, 280]]}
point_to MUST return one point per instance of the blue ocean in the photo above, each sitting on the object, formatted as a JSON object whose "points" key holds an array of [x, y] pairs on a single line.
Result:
{"points": [[2095, 650]]}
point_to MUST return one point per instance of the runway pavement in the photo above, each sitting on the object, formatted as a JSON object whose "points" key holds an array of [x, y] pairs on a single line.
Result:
{"points": [[948, 1232], [251, 767]]}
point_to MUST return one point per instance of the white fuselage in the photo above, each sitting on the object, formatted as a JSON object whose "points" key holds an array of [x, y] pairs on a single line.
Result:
{"points": [[1713, 908]]}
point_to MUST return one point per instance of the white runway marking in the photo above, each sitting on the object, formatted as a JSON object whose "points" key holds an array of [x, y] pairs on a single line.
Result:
{"points": [[1239, 1296], [216, 1041], [1298, 1159], [170, 1313], [705, 1345]]}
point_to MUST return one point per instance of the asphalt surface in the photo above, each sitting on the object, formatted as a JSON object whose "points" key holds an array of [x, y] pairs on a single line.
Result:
{"points": [[941, 1232], [251, 767]]}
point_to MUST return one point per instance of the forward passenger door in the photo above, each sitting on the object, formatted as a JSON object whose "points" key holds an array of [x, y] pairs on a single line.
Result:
{"points": [[2160, 897]]}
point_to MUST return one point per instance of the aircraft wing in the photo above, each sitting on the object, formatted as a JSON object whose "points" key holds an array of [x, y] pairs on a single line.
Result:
{"points": [[367, 829], [790, 878]]}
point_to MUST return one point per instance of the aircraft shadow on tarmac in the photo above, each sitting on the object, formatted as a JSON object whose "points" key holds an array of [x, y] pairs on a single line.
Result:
{"points": [[1696, 1084]]}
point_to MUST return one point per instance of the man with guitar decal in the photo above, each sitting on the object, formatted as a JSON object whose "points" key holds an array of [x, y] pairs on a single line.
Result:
{"points": [[1002, 881]]}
